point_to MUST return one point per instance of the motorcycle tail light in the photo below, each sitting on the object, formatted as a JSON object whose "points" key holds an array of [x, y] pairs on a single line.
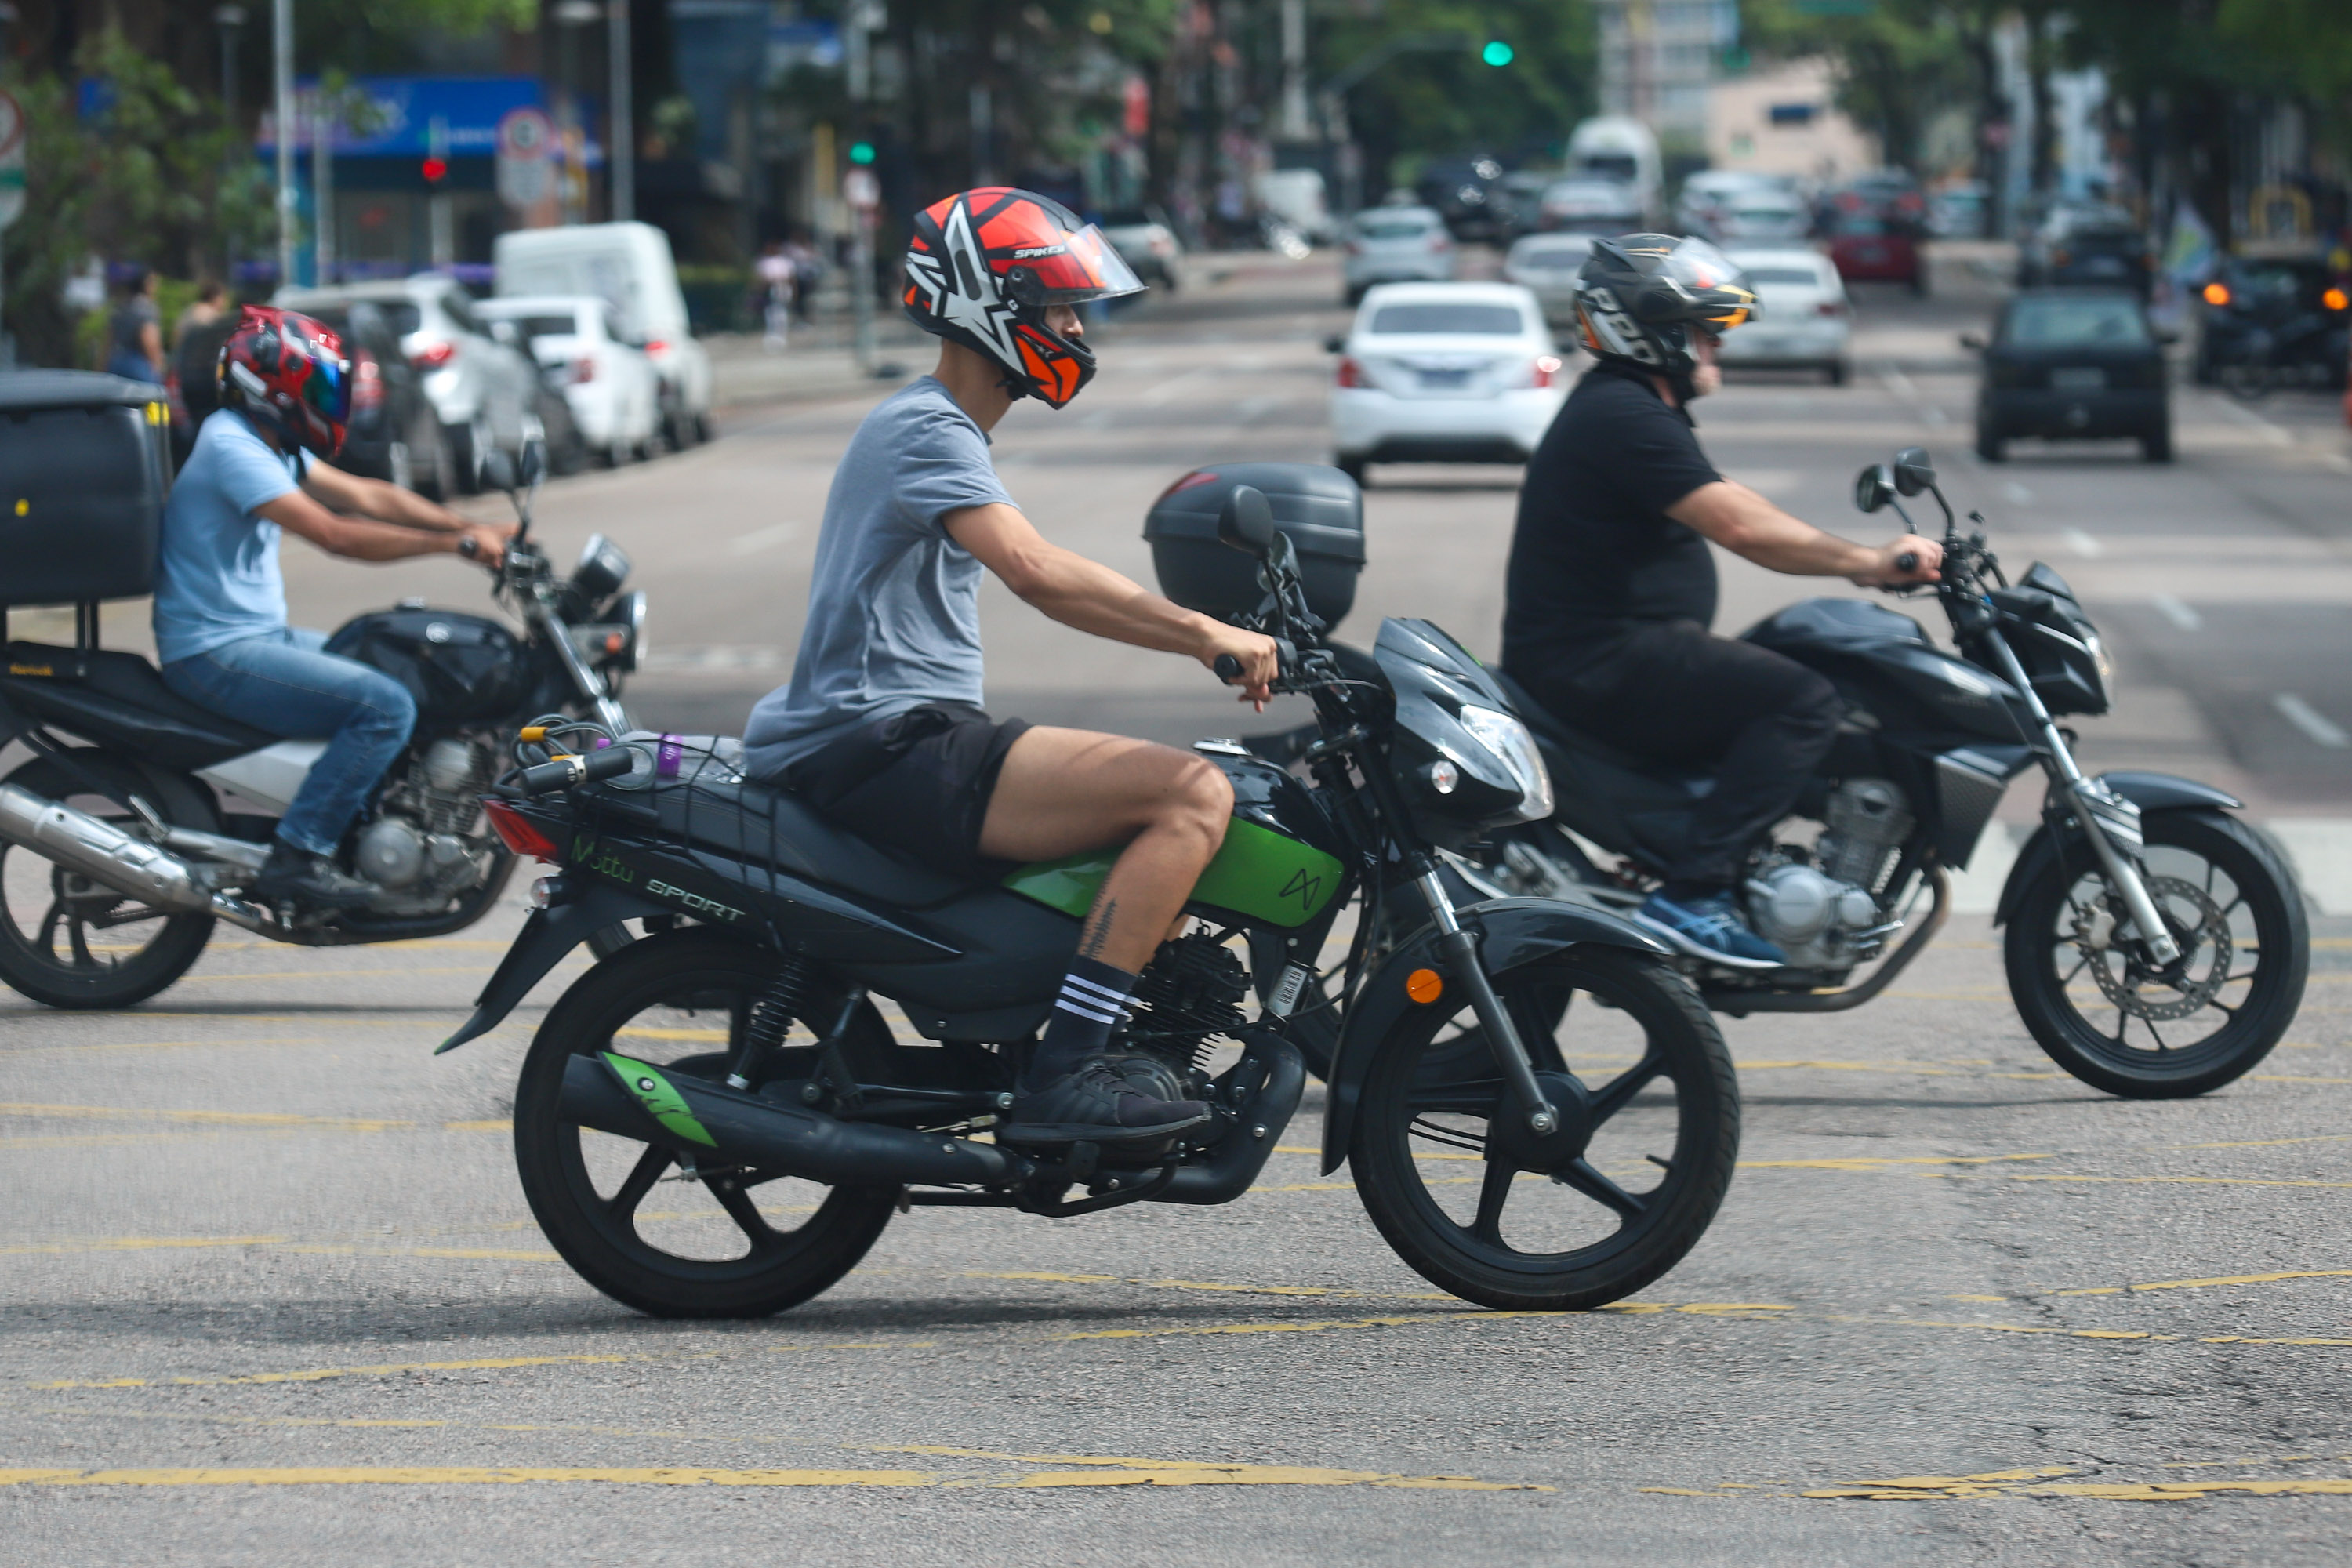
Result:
{"points": [[1350, 373], [433, 356], [518, 833], [2217, 293]]}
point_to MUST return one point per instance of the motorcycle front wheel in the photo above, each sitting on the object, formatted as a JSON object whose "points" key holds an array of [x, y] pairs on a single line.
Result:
{"points": [[1650, 1108], [722, 1243], [65, 941], [2121, 1026]]}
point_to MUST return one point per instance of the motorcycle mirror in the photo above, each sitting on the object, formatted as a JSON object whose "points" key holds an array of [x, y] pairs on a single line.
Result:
{"points": [[496, 470], [530, 467], [1246, 521], [1914, 470], [1872, 487]]}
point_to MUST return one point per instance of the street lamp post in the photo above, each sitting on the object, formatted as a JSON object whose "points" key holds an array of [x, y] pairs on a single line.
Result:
{"points": [[621, 141], [281, 31], [230, 20]]}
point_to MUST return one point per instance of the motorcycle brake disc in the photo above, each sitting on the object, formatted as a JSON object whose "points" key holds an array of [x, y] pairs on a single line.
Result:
{"points": [[2211, 929]]}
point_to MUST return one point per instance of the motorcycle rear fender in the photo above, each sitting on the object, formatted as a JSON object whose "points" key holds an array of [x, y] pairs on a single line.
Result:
{"points": [[2149, 792], [1511, 932], [541, 945]]}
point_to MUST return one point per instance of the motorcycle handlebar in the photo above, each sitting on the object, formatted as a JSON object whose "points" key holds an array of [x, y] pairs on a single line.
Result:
{"points": [[1907, 562], [566, 773], [1228, 667]]}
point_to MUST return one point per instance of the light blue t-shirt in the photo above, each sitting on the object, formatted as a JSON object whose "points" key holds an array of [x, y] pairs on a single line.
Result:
{"points": [[894, 605], [219, 581]]}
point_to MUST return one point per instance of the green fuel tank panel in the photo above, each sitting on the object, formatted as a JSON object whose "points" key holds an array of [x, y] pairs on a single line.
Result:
{"points": [[1259, 873]]}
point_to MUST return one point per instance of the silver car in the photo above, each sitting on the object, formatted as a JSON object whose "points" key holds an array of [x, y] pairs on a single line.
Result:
{"points": [[485, 391], [1545, 264], [1397, 245]]}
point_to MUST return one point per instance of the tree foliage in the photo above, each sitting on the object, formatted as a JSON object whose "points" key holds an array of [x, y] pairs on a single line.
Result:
{"points": [[1429, 104]]}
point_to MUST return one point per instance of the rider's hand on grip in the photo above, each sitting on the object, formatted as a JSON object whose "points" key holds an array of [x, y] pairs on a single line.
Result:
{"points": [[1228, 669], [565, 773]]}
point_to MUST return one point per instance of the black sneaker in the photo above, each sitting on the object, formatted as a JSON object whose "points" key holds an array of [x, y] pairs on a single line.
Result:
{"points": [[1096, 1105], [296, 876]]}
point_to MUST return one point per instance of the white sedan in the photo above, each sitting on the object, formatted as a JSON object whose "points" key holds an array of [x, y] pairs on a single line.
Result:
{"points": [[1804, 320], [611, 385], [1445, 372], [1389, 245]]}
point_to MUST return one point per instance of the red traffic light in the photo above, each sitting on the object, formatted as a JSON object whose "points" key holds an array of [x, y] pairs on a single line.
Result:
{"points": [[435, 170]]}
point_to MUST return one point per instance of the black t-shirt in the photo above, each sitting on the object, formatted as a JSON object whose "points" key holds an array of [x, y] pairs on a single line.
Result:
{"points": [[1594, 550]]}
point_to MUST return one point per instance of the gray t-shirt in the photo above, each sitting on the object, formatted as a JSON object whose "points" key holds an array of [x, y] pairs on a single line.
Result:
{"points": [[893, 607]]}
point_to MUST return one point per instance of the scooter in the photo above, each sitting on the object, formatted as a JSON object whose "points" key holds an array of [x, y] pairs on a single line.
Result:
{"points": [[141, 818]]}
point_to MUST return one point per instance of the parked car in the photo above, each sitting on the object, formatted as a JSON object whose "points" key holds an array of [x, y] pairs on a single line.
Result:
{"points": [[608, 385], [483, 392], [1445, 372], [1148, 244], [1522, 195], [1870, 245], [1467, 193], [1394, 244], [2272, 320], [1804, 320], [2073, 363], [1958, 210], [1298, 197], [2092, 243], [1547, 264], [1762, 214], [1587, 206], [394, 433], [1707, 195], [629, 266]]}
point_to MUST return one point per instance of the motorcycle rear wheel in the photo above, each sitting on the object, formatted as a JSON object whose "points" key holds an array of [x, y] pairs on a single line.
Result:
{"points": [[1662, 1137], [66, 942], [679, 1001], [2242, 905]]}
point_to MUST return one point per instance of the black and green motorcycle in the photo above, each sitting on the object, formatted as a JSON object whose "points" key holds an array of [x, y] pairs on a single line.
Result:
{"points": [[717, 1120]]}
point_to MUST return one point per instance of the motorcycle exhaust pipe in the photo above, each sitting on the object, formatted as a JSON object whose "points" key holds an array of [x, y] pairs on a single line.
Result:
{"points": [[631, 1099], [111, 857]]}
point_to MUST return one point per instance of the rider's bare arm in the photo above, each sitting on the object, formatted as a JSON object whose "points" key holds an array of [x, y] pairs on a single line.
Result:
{"points": [[1748, 525], [367, 539], [355, 496], [1093, 598]]}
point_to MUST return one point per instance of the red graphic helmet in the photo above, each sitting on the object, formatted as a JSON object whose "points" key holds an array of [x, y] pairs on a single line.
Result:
{"points": [[984, 265], [287, 372]]}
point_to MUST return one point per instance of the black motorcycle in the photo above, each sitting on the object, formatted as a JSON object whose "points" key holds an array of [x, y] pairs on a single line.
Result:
{"points": [[117, 856], [734, 1056], [2156, 946]]}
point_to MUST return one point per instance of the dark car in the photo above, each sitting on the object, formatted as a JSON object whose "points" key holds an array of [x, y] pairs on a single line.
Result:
{"points": [[2073, 363], [394, 433], [2093, 246], [2272, 320], [1874, 244], [1468, 194]]}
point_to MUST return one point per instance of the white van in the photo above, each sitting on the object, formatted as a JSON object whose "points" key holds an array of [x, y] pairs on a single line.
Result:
{"points": [[629, 266], [1613, 147]]}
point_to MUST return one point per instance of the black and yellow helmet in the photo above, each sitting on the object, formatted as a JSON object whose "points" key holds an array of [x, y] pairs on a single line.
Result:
{"points": [[1640, 295]]}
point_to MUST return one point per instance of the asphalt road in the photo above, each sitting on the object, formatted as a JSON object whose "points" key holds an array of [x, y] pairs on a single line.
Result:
{"points": [[270, 1292]]}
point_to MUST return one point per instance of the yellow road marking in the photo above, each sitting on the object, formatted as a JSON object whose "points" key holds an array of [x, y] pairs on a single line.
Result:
{"points": [[14, 1052], [387, 1369], [1878, 1163], [2139, 1180], [460, 1475], [228, 1117], [495, 1124], [139, 1244]]}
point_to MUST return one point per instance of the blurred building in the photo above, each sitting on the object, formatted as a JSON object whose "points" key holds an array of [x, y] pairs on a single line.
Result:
{"points": [[1784, 118], [1658, 59]]}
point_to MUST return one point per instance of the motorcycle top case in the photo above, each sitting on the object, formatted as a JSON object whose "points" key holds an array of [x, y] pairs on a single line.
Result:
{"points": [[1319, 508], [460, 669], [85, 464]]}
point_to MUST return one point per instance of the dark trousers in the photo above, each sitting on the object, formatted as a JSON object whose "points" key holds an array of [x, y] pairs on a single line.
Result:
{"points": [[1670, 691]]}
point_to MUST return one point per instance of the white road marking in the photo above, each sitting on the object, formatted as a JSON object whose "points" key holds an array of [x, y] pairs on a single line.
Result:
{"points": [[2082, 543], [1899, 385], [1178, 386], [2271, 433], [2178, 613], [1250, 407], [714, 658], [1935, 416], [2016, 494], [760, 539], [2321, 730]]}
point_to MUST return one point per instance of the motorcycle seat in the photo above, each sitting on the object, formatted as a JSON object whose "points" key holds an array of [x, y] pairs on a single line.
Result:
{"points": [[119, 698], [712, 804], [1564, 737]]}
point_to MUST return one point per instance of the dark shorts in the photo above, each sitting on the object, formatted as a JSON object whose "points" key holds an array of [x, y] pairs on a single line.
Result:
{"points": [[918, 781]]}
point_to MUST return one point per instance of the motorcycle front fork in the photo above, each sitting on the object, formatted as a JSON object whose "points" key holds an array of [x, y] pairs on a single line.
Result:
{"points": [[2109, 823], [1461, 951]]}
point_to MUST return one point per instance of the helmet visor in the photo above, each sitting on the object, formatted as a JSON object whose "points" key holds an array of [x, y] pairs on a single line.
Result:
{"points": [[327, 390], [1083, 267], [1715, 280]]}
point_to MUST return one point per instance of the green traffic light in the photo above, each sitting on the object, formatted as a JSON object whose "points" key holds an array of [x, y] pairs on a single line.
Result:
{"points": [[861, 152], [1498, 53]]}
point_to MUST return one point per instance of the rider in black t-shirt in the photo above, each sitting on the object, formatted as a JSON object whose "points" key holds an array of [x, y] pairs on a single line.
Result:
{"points": [[1612, 587]]}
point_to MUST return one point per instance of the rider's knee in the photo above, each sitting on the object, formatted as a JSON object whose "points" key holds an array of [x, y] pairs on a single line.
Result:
{"points": [[1201, 796], [1816, 705], [388, 709]]}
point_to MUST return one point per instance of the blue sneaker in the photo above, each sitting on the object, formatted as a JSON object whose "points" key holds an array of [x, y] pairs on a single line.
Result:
{"points": [[1709, 928]]}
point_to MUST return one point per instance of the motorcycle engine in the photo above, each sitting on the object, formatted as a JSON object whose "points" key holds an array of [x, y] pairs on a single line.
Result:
{"points": [[422, 849], [1817, 908], [1189, 992]]}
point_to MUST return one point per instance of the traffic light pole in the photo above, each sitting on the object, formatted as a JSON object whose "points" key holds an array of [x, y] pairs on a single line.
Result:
{"points": [[281, 20]]}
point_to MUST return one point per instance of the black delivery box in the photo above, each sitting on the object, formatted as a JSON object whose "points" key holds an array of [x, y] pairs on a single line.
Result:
{"points": [[85, 463], [1319, 508]]}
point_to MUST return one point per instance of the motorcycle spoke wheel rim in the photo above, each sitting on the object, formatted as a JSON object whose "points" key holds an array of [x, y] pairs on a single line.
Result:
{"points": [[2145, 1015], [1583, 1211], [70, 926], [721, 1222]]}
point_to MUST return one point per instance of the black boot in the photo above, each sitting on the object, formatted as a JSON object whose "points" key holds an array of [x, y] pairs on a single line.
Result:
{"points": [[1095, 1103], [296, 876]]}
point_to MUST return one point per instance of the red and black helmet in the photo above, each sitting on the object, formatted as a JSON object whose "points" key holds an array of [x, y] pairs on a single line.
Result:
{"points": [[287, 372], [984, 265]]}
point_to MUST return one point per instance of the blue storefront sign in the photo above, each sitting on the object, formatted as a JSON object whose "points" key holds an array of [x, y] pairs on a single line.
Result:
{"points": [[396, 115]]}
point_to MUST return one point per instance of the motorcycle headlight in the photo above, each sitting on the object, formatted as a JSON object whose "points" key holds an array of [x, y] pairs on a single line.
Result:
{"points": [[1512, 746]]}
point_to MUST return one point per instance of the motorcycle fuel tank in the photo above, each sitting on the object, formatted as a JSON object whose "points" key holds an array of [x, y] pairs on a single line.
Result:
{"points": [[1884, 659], [460, 669]]}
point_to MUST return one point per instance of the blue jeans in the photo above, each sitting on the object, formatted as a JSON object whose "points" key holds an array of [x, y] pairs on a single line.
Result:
{"points": [[282, 683]]}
